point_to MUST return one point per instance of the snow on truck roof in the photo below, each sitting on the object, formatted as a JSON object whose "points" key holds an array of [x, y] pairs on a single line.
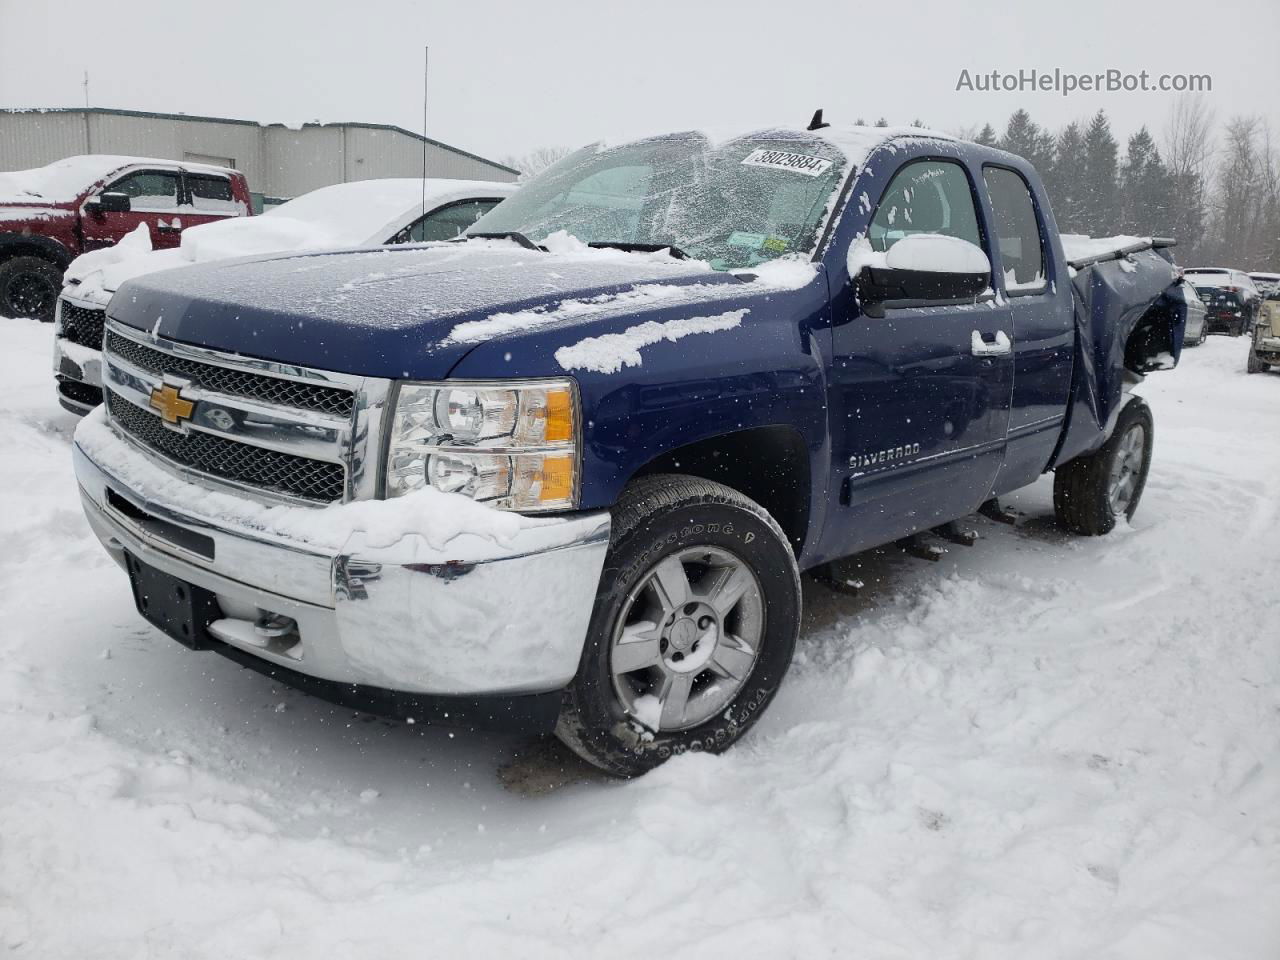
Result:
{"points": [[855, 141], [64, 180]]}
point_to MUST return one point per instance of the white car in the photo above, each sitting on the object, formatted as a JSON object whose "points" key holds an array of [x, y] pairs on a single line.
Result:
{"points": [[345, 215]]}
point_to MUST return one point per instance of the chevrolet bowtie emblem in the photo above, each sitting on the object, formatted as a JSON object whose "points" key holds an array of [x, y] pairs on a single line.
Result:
{"points": [[173, 407]]}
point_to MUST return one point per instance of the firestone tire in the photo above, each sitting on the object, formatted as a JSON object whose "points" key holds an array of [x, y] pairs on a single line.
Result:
{"points": [[1084, 489], [29, 287], [659, 520]]}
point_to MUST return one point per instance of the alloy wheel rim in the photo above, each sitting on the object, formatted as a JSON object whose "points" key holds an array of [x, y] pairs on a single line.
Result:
{"points": [[687, 638], [1126, 469], [31, 295]]}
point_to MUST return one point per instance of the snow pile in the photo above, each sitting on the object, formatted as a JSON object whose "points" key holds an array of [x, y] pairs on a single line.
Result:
{"points": [[611, 352], [132, 246], [1037, 747], [790, 272]]}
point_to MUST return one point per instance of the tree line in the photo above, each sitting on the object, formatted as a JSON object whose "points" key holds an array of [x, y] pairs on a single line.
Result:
{"points": [[1216, 191]]}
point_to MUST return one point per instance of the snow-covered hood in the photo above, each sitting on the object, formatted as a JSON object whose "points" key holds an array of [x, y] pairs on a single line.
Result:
{"points": [[415, 311]]}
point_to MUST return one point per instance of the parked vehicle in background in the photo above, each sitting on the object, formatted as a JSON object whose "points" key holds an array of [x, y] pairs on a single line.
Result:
{"points": [[52, 214], [357, 214], [1265, 282], [1264, 352], [565, 473], [1230, 297], [1197, 316]]}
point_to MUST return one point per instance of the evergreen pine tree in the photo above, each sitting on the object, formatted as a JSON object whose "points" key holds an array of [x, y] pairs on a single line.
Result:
{"points": [[1027, 139], [1063, 180], [1098, 183], [987, 136], [1146, 189]]}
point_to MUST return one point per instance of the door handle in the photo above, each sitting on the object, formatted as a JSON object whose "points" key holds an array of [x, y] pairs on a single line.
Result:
{"points": [[1001, 346]]}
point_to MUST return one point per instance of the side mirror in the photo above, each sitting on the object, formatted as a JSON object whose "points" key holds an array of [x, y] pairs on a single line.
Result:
{"points": [[925, 266], [109, 203]]}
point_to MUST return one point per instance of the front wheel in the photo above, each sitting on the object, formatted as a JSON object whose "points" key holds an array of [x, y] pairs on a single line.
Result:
{"points": [[1255, 365], [693, 630], [1091, 493]]}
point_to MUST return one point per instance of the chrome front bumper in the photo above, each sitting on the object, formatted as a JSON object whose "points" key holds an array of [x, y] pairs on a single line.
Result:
{"points": [[476, 618]]}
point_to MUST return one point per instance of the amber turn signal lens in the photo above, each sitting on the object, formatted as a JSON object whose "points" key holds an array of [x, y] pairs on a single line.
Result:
{"points": [[557, 478], [559, 428]]}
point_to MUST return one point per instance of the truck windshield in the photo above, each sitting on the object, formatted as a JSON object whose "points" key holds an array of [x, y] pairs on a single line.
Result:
{"points": [[734, 204]]}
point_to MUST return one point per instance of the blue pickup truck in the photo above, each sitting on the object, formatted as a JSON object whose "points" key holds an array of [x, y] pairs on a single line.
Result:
{"points": [[565, 472]]}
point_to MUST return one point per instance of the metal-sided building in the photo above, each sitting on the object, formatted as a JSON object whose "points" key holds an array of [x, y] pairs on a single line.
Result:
{"points": [[279, 161]]}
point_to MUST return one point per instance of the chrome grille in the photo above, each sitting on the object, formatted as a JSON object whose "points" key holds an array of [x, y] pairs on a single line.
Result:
{"points": [[270, 469], [82, 325], [239, 383]]}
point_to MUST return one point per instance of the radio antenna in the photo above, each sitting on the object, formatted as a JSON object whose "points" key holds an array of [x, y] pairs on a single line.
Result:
{"points": [[426, 62]]}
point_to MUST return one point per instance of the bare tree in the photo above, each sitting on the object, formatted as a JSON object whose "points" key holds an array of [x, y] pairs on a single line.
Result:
{"points": [[535, 161], [1188, 155], [1188, 136]]}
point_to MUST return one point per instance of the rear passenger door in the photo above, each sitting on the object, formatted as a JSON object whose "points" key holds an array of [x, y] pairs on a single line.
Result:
{"points": [[206, 197], [1043, 332], [920, 392]]}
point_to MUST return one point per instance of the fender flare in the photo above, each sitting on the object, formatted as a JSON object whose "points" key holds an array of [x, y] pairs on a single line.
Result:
{"points": [[45, 247]]}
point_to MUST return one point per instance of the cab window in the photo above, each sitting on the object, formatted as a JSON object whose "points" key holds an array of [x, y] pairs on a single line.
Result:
{"points": [[1017, 229], [445, 223], [210, 193], [926, 196], [148, 189]]}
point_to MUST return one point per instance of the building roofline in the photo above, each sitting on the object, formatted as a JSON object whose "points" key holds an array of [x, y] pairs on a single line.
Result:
{"points": [[113, 111]]}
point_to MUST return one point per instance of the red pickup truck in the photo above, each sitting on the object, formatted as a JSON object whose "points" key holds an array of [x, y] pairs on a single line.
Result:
{"points": [[52, 214]]}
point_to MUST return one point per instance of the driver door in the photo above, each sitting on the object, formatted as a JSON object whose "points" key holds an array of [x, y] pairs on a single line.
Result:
{"points": [[153, 200], [920, 390]]}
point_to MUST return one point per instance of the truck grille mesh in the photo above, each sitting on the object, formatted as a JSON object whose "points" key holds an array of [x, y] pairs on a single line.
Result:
{"points": [[281, 472], [82, 325], [240, 383]]}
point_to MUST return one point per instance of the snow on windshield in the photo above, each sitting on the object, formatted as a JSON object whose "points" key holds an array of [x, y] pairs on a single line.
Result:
{"points": [[733, 205]]}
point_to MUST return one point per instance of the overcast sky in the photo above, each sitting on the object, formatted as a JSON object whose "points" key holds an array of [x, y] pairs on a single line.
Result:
{"points": [[508, 77]]}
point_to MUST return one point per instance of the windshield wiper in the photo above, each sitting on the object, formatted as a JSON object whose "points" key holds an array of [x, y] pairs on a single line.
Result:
{"points": [[515, 235], [639, 247]]}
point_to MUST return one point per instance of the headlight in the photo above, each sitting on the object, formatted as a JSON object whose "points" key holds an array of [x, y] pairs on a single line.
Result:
{"points": [[511, 445]]}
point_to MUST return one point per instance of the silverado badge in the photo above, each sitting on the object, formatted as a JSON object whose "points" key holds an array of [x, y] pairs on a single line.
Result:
{"points": [[173, 407]]}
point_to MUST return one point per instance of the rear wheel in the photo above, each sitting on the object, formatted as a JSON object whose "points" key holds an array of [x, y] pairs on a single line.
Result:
{"points": [[1255, 365], [29, 288], [693, 629], [1091, 493]]}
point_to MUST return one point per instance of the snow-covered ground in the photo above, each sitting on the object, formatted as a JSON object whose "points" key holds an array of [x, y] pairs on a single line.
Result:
{"points": [[1040, 747]]}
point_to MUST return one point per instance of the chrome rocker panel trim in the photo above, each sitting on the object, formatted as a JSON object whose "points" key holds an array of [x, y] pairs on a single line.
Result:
{"points": [[474, 619]]}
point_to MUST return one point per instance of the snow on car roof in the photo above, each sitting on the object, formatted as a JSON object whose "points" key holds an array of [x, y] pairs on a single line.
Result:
{"points": [[356, 214], [363, 209], [1217, 276], [64, 180]]}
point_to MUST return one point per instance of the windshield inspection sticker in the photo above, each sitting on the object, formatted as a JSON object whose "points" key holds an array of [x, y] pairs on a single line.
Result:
{"points": [[795, 162]]}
